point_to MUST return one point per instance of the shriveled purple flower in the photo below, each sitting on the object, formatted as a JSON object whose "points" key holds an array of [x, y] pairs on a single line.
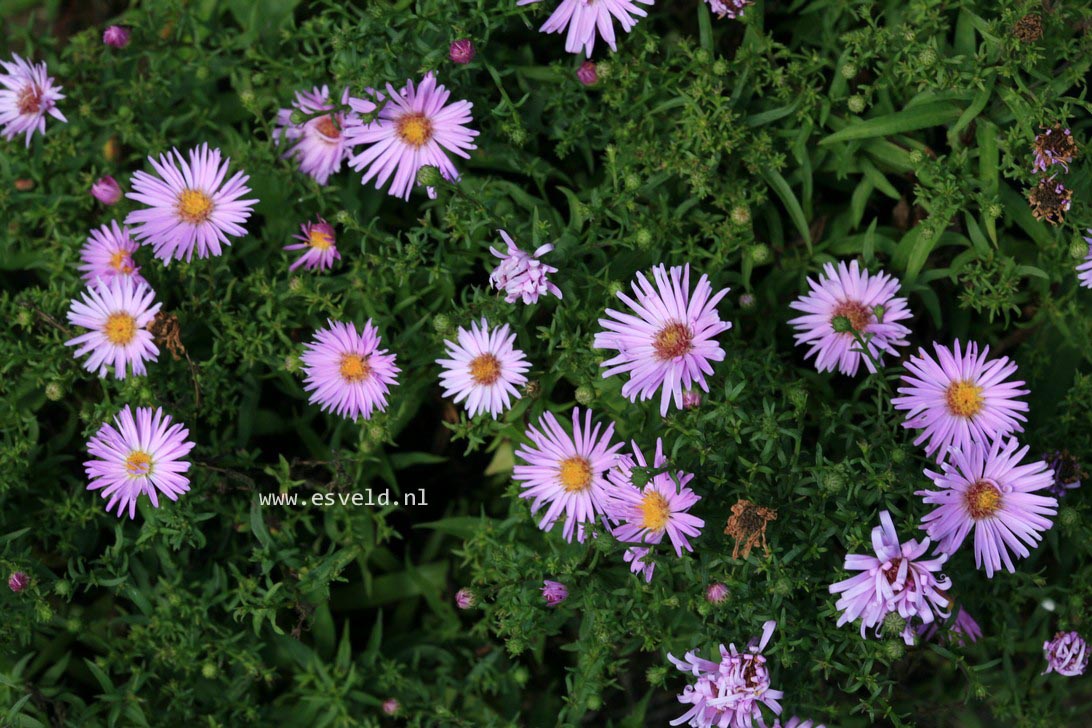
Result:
{"points": [[583, 21], [660, 507], [1054, 146], [1050, 201], [730, 9], [729, 693], [391, 706], [317, 139], [141, 454], [554, 592], [108, 253], [1066, 470], [667, 341], [190, 206], [483, 369], [960, 397], [416, 127], [691, 399], [461, 51], [106, 190], [897, 579], [1066, 654], [567, 472], [1084, 270], [522, 276], [27, 94], [985, 488], [635, 557], [116, 36], [346, 372], [465, 598], [116, 313], [962, 630], [716, 593], [320, 241], [18, 581], [587, 74], [846, 300]]}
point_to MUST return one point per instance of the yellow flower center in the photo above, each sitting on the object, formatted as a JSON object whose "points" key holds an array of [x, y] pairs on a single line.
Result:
{"points": [[672, 341], [120, 328], [575, 474], [485, 369], [194, 206], [655, 511], [138, 463], [328, 127], [121, 262], [983, 499], [319, 239], [964, 399], [415, 129], [354, 368], [858, 314]]}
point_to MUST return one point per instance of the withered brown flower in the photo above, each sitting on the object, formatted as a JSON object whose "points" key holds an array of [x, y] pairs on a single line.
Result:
{"points": [[166, 331], [1050, 201], [747, 525], [1029, 28]]}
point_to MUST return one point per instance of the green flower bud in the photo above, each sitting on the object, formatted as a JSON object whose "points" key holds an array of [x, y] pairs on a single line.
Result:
{"points": [[594, 702], [916, 156], [893, 625], [841, 324], [849, 70], [656, 675], [643, 238], [441, 323], [62, 588], [720, 67], [343, 217], [1079, 249], [798, 396], [832, 481], [585, 395], [994, 210], [927, 57], [632, 181], [295, 284], [429, 176], [209, 670], [521, 675], [897, 455], [856, 103], [23, 318], [1068, 517], [761, 254], [893, 649], [54, 392], [741, 215]]}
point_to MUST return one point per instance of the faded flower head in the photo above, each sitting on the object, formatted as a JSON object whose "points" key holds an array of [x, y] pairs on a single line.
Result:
{"points": [[314, 130], [521, 275], [1066, 654], [1067, 472], [391, 706], [747, 525], [1054, 146], [1029, 28], [27, 95], [1050, 201]]}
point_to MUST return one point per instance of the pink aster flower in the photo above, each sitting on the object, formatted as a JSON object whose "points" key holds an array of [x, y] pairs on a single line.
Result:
{"points": [[106, 190], [346, 371], [1066, 654], [1084, 270], [320, 241], [522, 276], [567, 472], [635, 556], [960, 397], [116, 36], [730, 9], [319, 142], [138, 455], [189, 204], [962, 630], [27, 94], [107, 253], [985, 488], [668, 340], [658, 508], [116, 313], [584, 20], [846, 300], [18, 581], [415, 128], [484, 369], [554, 592], [897, 579]]}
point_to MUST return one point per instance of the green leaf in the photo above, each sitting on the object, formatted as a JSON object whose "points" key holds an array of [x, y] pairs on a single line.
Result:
{"points": [[921, 117], [788, 198]]}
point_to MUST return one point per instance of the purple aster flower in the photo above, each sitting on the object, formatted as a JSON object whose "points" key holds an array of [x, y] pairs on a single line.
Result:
{"points": [[716, 593], [554, 592], [319, 143], [116, 313], [985, 488], [461, 51], [415, 128], [960, 397], [1067, 472], [18, 581], [962, 630], [568, 472], [668, 340], [484, 369], [730, 9], [795, 722], [1084, 270], [729, 693], [27, 94], [320, 242], [1054, 146], [659, 507], [106, 190], [108, 253], [1066, 654], [465, 598], [189, 204], [116, 36], [635, 557], [522, 276], [583, 20], [346, 371], [897, 579], [587, 74], [847, 300], [138, 455]]}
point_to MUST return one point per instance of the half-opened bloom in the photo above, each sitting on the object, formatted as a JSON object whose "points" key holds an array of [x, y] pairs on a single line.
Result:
{"points": [[27, 96]]}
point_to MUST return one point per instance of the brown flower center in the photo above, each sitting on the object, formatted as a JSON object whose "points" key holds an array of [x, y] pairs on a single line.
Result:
{"points": [[30, 99], [120, 328], [415, 129], [673, 341], [575, 474], [983, 499], [354, 368], [856, 312], [655, 511], [194, 206], [485, 369], [964, 399], [328, 127]]}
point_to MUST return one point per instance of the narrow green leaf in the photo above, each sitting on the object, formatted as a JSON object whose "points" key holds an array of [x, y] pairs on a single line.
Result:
{"points": [[788, 198], [921, 117]]}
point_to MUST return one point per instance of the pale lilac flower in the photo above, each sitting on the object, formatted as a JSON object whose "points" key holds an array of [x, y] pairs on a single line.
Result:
{"points": [[846, 300], [661, 507], [18, 581], [116, 313], [106, 190], [583, 21], [1084, 270], [391, 706], [189, 204], [554, 592], [1067, 472], [141, 454], [465, 598], [1066, 654], [320, 241], [27, 94], [319, 143], [985, 488], [668, 340], [896, 579], [461, 51], [960, 397], [346, 372], [587, 74], [730, 9], [522, 276], [716, 593], [116, 36], [963, 629], [567, 472], [108, 253], [484, 368], [635, 556], [415, 128]]}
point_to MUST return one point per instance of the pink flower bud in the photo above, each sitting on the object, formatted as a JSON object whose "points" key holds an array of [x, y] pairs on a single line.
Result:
{"points": [[390, 706], [462, 51], [465, 599], [586, 73], [716, 593], [554, 592], [106, 190], [18, 581], [116, 36]]}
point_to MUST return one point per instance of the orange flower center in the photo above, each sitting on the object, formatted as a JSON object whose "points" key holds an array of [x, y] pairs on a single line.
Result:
{"points": [[964, 399], [194, 206], [983, 499], [415, 129], [859, 316], [121, 262], [655, 511], [485, 369], [319, 239], [673, 341], [328, 127], [354, 368], [120, 328], [138, 463], [576, 474]]}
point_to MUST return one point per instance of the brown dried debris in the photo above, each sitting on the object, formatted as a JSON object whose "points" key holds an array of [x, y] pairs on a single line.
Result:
{"points": [[1029, 28], [747, 525], [166, 331], [1049, 201]]}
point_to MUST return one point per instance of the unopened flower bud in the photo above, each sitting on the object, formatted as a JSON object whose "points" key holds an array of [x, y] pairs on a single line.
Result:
{"points": [[587, 74], [856, 103], [18, 581], [585, 395], [461, 51], [465, 598], [116, 36], [106, 190], [429, 176]]}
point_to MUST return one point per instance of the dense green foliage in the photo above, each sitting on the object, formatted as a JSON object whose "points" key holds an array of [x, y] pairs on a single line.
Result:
{"points": [[897, 133]]}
